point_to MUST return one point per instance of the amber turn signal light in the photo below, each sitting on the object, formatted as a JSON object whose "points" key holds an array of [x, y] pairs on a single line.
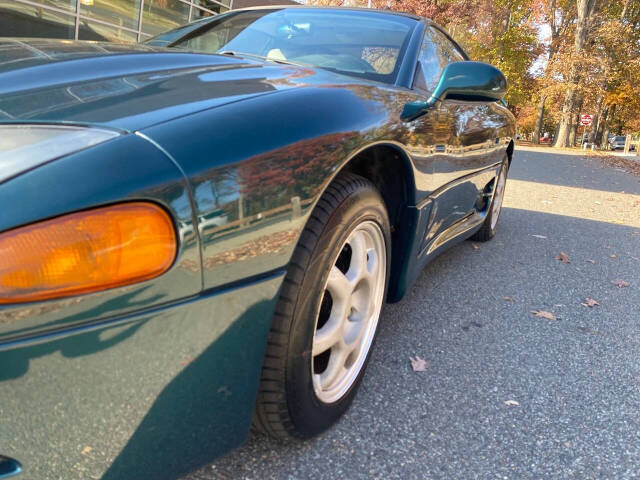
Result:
{"points": [[85, 252]]}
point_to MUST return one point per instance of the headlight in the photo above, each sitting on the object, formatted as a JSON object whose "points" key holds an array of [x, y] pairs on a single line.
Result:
{"points": [[86, 252], [23, 147]]}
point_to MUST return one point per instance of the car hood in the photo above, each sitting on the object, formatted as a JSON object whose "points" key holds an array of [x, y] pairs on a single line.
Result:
{"points": [[126, 87]]}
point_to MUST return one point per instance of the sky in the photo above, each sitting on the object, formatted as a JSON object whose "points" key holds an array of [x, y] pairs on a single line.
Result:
{"points": [[544, 35]]}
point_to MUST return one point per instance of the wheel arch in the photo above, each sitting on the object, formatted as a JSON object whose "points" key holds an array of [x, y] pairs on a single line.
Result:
{"points": [[510, 149], [388, 166]]}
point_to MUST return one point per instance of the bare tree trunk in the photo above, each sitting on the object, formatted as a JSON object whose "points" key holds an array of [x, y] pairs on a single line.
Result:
{"points": [[555, 31], [573, 130], [562, 135], [601, 122], [585, 9], [595, 135], [576, 121], [605, 129], [539, 119], [596, 119]]}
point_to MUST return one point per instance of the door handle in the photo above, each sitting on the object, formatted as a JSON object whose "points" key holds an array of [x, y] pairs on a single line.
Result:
{"points": [[9, 467]]}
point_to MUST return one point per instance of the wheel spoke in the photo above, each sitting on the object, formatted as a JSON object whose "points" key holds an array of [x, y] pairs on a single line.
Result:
{"points": [[339, 286], [336, 368], [329, 335], [371, 260], [358, 266], [354, 331]]}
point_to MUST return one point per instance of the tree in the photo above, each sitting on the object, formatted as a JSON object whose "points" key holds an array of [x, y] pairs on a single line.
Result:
{"points": [[590, 61], [585, 9], [617, 41], [557, 15]]}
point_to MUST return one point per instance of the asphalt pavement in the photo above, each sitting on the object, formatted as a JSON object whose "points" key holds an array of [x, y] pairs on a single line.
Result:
{"points": [[506, 394]]}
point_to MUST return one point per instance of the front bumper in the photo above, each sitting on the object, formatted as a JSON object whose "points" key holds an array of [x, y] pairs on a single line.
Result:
{"points": [[150, 395]]}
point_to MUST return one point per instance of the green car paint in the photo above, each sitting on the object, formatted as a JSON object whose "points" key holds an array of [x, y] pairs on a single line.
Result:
{"points": [[156, 379]]}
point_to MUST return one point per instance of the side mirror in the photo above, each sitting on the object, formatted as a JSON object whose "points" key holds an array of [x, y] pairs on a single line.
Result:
{"points": [[9, 467], [470, 81]]}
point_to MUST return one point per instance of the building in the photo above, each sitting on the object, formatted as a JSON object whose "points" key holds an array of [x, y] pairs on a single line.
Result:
{"points": [[108, 20]]}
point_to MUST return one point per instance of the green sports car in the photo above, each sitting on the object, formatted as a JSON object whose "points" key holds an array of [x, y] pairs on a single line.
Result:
{"points": [[198, 233]]}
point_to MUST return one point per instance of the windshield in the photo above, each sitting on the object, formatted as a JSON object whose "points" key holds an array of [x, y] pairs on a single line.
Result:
{"points": [[359, 43], [620, 139]]}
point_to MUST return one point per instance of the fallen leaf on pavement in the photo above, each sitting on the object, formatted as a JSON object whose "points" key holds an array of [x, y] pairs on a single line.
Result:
{"points": [[544, 314], [613, 255], [590, 302], [509, 299], [86, 450], [588, 260], [418, 364], [475, 247], [511, 403], [563, 257], [539, 236], [620, 283]]}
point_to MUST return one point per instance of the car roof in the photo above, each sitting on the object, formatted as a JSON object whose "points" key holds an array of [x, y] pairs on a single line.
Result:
{"points": [[320, 7]]}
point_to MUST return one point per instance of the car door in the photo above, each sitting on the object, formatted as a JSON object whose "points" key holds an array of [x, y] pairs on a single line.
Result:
{"points": [[453, 141]]}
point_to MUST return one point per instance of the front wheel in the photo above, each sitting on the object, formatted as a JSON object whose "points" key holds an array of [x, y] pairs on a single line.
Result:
{"points": [[327, 314], [490, 225]]}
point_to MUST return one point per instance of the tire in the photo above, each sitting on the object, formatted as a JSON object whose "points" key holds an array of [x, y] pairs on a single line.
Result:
{"points": [[298, 395], [490, 224]]}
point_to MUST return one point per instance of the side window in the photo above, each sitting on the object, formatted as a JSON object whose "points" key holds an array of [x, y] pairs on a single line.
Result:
{"points": [[436, 52], [448, 50]]}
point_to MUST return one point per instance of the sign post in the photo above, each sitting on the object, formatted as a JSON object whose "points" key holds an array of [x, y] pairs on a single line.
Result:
{"points": [[586, 120]]}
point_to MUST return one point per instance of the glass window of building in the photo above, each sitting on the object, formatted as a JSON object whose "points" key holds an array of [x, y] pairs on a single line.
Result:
{"points": [[123, 21], [161, 15], [123, 13], [21, 20], [105, 32]]}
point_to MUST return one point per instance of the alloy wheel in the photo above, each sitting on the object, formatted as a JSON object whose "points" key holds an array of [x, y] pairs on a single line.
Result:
{"points": [[349, 312], [498, 196]]}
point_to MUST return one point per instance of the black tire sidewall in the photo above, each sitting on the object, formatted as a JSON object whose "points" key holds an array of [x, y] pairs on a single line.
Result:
{"points": [[310, 415]]}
